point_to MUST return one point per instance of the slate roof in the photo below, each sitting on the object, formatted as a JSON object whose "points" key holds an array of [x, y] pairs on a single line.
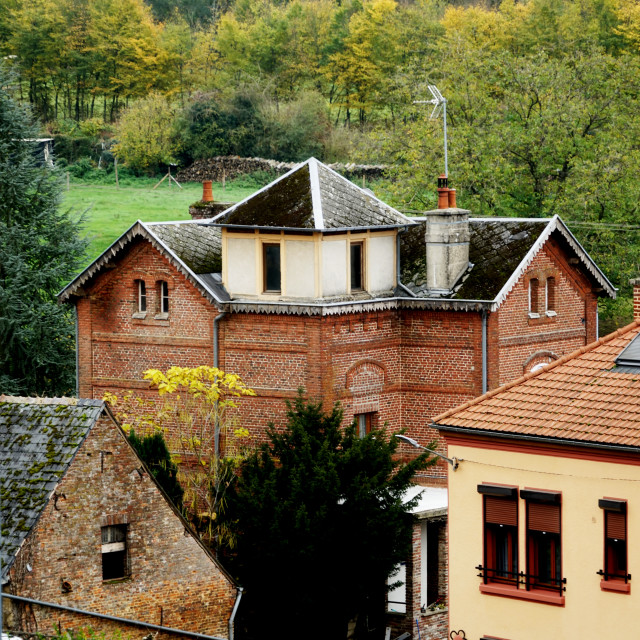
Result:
{"points": [[312, 196], [582, 397], [38, 439]]}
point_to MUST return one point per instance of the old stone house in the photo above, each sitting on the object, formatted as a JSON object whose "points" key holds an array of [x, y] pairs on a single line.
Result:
{"points": [[85, 526], [314, 283]]}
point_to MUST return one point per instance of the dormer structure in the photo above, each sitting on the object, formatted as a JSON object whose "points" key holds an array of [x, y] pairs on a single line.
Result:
{"points": [[310, 235]]}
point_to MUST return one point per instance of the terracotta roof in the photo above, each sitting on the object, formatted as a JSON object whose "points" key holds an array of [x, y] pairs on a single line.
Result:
{"points": [[581, 397], [38, 439]]}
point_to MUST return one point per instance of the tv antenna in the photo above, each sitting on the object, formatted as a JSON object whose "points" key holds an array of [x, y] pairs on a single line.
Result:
{"points": [[439, 103]]}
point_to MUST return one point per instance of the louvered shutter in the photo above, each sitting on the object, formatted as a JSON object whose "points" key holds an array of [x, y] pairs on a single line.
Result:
{"points": [[616, 525], [501, 511], [544, 517]]}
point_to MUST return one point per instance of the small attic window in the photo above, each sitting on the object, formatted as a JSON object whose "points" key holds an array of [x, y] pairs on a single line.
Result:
{"points": [[629, 357], [534, 309], [163, 296], [271, 266], [357, 271], [114, 552], [142, 296]]}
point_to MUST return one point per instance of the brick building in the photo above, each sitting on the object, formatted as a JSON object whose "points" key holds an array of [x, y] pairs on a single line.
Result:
{"points": [[85, 526], [313, 282]]}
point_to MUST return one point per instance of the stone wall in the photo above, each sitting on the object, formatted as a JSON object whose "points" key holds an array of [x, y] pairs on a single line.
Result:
{"points": [[171, 580]]}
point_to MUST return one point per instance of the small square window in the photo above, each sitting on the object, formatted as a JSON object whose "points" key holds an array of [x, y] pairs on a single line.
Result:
{"points": [[365, 422], [114, 552]]}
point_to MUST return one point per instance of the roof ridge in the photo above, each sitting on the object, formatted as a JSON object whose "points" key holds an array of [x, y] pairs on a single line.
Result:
{"points": [[39, 400], [527, 376]]}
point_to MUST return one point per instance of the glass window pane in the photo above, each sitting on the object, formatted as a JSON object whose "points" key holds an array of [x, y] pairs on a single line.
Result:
{"points": [[272, 267]]}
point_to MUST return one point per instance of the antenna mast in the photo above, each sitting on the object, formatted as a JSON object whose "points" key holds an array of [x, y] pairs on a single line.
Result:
{"points": [[439, 104]]}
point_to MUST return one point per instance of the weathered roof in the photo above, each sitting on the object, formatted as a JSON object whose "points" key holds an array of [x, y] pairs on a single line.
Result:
{"points": [[192, 248], [500, 250], [38, 439], [582, 397], [312, 196], [198, 246]]}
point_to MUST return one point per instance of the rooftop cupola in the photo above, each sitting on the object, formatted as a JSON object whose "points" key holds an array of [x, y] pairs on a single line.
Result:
{"points": [[447, 240]]}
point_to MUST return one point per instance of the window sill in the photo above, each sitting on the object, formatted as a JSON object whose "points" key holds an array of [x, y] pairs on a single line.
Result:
{"points": [[435, 612], [117, 580], [139, 315], [536, 595], [550, 314], [534, 316], [161, 316], [617, 586]]}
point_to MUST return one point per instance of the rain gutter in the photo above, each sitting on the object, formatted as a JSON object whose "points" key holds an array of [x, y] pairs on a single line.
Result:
{"points": [[104, 616]]}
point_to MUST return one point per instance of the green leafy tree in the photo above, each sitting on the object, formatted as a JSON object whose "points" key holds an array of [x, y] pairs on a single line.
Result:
{"points": [[153, 450], [40, 250], [320, 524], [146, 135]]}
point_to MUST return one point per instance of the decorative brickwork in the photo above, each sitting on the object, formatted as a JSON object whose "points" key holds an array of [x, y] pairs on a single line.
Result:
{"points": [[405, 365], [171, 580]]}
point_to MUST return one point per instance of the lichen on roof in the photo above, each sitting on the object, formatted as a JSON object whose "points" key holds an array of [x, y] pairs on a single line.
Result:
{"points": [[312, 196], [496, 249], [198, 246], [38, 439]]}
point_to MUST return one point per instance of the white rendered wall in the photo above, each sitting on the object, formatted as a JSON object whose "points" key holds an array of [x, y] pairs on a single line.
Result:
{"points": [[300, 269], [241, 266], [381, 263], [334, 267]]}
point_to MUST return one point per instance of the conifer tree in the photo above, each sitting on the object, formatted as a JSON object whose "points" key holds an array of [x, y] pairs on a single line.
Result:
{"points": [[40, 250], [320, 523]]}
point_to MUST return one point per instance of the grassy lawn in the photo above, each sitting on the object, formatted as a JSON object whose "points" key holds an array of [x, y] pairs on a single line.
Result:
{"points": [[110, 211]]}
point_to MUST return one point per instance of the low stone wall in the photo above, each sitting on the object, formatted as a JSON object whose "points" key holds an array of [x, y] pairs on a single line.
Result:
{"points": [[229, 167]]}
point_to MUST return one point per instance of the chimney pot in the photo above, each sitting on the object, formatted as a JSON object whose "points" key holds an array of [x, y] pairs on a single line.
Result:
{"points": [[452, 199], [207, 191]]}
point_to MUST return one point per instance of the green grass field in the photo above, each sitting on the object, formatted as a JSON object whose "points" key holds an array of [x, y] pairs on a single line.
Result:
{"points": [[111, 211]]}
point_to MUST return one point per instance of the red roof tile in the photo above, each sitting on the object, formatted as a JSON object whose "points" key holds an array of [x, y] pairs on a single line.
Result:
{"points": [[578, 397]]}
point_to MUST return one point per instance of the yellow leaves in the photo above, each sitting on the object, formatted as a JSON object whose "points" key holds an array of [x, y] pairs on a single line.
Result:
{"points": [[210, 384], [628, 12]]}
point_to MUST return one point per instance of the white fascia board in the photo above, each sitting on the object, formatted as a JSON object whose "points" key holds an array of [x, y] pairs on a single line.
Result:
{"points": [[367, 193], [316, 199], [555, 224]]}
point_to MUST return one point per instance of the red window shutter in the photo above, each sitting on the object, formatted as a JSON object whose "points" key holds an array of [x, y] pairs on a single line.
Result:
{"points": [[501, 511], [544, 517], [616, 525]]}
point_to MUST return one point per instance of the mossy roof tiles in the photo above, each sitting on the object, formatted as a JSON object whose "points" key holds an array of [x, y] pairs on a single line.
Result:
{"points": [[312, 196], [582, 397], [38, 439]]}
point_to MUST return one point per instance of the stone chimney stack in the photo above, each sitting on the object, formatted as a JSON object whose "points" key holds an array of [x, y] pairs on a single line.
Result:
{"points": [[636, 298], [447, 241]]}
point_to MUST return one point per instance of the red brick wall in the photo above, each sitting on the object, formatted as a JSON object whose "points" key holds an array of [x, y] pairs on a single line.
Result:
{"points": [[405, 366], [173, 581], [121, 346], [523, 342]]}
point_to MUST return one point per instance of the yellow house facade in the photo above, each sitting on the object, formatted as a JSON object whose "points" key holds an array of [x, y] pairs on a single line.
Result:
{"points": [[545, 501]]}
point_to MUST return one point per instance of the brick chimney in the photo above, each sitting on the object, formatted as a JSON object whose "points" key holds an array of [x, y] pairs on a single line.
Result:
{"points": [[207, 208], [447, 241], [636, 298]]}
